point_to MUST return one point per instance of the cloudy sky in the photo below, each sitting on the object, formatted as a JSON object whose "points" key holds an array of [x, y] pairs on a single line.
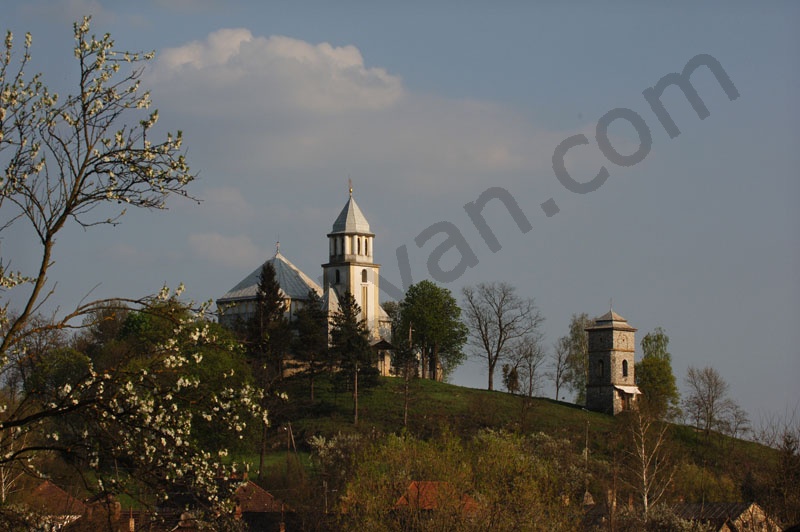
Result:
{"points": [[426, 107]]}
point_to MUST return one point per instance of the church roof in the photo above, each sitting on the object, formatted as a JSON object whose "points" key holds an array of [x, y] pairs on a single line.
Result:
{"points": [[294, 283], [611, 320], [351, 220]]}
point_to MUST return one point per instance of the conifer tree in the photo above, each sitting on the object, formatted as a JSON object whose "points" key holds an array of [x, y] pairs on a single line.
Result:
{"points": [[268, 333], [311, 343], [350, 343]]}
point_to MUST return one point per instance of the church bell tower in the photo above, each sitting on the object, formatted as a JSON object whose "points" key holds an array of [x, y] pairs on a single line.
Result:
{"points": [[350, 266], [611, 383]]}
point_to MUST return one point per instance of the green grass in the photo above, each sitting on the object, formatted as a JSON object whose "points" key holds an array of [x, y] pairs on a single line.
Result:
{"points": [[432, 406]]}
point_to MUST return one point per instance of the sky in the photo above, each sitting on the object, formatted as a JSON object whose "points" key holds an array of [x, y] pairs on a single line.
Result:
{"points": [[425, 107]]}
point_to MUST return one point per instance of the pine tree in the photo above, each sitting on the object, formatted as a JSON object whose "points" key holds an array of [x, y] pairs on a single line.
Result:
{"points": [[267, 333], [350, 343], [311, 343]]}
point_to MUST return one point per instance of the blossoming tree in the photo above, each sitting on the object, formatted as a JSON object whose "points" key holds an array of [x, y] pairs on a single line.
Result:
{"points": [[83, 160]]}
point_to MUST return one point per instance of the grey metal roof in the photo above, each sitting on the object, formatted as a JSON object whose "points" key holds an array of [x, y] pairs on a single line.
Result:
{"points": [[611, 320], [330, 302], [351, 220], [294, 283]]}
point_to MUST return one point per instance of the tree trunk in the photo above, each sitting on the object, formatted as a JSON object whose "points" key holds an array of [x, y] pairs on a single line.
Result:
{"points": [[355, 397]]}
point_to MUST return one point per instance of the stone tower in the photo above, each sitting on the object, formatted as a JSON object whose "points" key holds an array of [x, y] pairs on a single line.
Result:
{"points": [[611, 384], [350, 266]]}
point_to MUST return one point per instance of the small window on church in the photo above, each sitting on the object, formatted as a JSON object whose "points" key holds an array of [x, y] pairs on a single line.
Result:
{"points": [[364, 275], [359, 246], [338, 278], [366, 246], [600, 368], [624, 368]]}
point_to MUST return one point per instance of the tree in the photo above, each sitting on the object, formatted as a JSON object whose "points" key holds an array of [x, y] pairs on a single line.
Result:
{"points": [[528, 357], [81, 161], [497, 319], [511, 378], [267, 333], [578, 356], [707, 401], [558, 364], [350, 343], [311, 343], [654, 374], [404, 359], [438, 334], [649, 465]]}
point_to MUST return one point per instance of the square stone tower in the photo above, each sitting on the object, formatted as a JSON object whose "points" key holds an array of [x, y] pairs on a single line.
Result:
{"points": [[611, 383]]}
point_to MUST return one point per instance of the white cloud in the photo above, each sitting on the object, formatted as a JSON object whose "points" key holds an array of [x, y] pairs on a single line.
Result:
{"points": [[232, 68], [279, 109], [231, 251]]}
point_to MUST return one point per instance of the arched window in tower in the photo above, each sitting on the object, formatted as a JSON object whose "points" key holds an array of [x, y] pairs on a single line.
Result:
{"points": [[600, 369], [337, 277], [624, 368], [359, 244], [366, 246], [364, 275]]}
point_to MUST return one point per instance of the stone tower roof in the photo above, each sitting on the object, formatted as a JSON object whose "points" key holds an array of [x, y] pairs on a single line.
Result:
{"points": [[351, 220], [611, 320], [294, 283]]}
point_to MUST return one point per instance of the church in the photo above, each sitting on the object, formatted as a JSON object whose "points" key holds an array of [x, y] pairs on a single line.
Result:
{"points": [[350, 268]]}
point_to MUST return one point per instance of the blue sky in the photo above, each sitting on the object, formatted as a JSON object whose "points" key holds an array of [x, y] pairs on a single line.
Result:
{"points": [[425, 107]]}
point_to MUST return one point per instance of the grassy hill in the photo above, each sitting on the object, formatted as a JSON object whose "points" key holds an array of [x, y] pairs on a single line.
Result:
{"points": [[435, 406]]}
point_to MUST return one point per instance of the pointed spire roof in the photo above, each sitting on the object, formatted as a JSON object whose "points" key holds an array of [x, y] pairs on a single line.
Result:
{"points": [[294, 283], [351, 219], [611, 320]]}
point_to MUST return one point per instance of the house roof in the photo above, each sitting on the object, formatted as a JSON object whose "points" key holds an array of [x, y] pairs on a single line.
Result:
{"points": [[430, 494], [253, 498], [610, 320], [630, 390], [351, 220], [294, 283], [714, 513], [49, 499]]}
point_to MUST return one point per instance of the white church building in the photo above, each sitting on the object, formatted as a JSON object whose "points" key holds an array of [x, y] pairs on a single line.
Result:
{"points": [[350, 268]]}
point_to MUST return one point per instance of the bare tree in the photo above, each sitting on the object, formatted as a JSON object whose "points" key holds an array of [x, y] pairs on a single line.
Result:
{"points": [[707, 400], [649, 465], [528, 356], [497, 318], [559, 364]]}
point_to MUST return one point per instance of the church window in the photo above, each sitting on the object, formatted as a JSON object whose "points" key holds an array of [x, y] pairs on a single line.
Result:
{"points": [[624, 368], [338, 277], [359, 245], [600, 368], [366, 246], [364, 275]]}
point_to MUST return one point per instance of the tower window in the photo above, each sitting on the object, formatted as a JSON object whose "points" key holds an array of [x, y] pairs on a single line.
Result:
{"points": [[364, 275], [359, 246], [600, 369], [624, 368], [338, 278], [366, 246]]}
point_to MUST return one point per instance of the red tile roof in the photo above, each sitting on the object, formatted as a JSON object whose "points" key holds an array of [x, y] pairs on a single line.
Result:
{"points": [[430, 494]]}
